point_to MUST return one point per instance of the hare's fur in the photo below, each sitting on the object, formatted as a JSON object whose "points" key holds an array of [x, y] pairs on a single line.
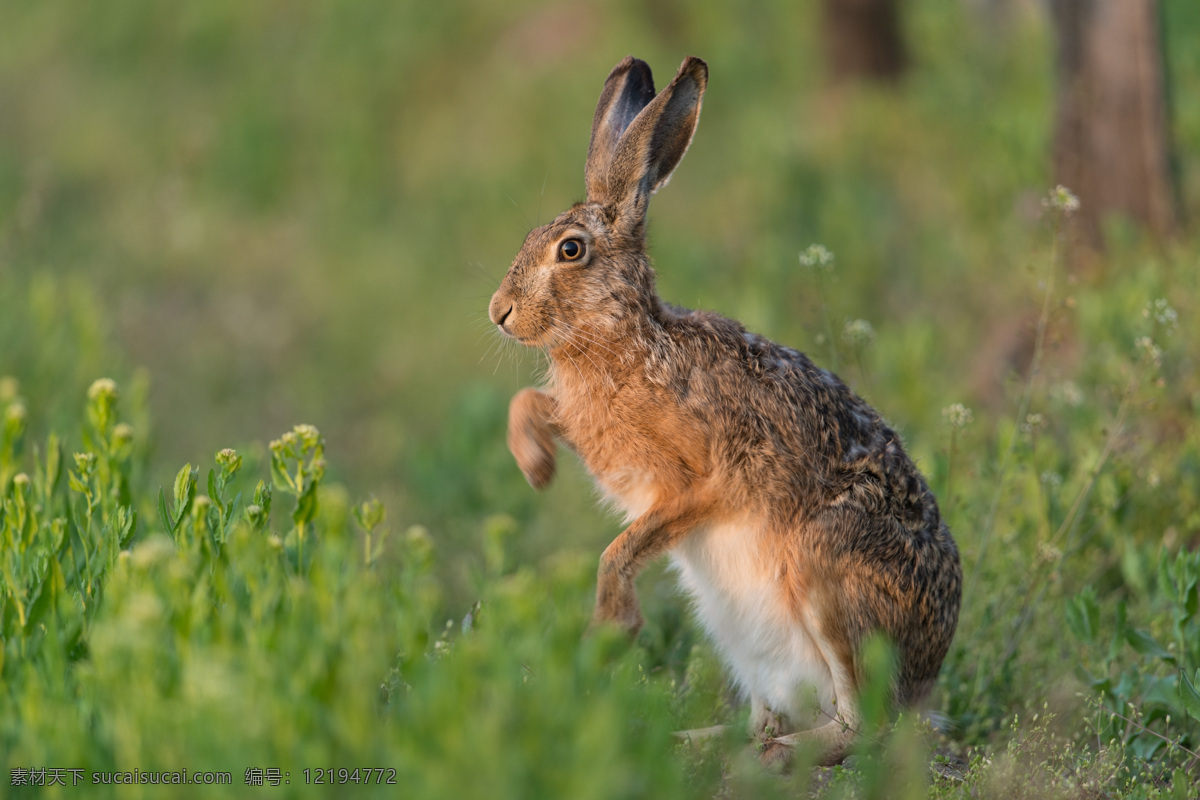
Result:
{"points": [[789, 508]]}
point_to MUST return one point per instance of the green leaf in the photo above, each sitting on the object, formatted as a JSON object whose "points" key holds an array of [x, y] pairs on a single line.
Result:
{"points": [[1145, 644], [164, 516], [1085, 676], [1180, 783], [1119, 628], [1144, 747], [53, 463], [1165, 583], [306, 506], [1158, 697], [1187, 576], [37, 603], [75, 483], [128, 528], [262, 499], [1189, 695], [213, 494], [185, 489], [280, 476], [1083, 615], [1133, 569]]}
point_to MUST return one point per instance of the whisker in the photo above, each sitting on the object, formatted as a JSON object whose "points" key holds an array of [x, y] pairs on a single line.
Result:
{"points": [[581, 335], [587, 337], [479, 272], [571, 336], [496, 346], [586, 384], [476, 269], [487, 353], [542, 196], [579, 338], [514, 354], [518, 208]]}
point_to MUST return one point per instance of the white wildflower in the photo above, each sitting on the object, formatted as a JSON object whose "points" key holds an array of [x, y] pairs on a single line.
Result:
{"points": [[818, 257], [858, 333], [1061, 199], [958, 415]]}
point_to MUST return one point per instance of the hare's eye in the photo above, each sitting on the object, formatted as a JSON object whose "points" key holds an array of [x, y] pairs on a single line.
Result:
{"points": [[570, 250]]}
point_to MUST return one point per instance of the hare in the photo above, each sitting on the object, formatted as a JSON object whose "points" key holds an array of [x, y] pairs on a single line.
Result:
{"points": [[795, 520]]}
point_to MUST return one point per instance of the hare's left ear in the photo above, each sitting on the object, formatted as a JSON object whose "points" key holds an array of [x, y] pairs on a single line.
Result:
{"points": [[627, 90], [653, 145]]}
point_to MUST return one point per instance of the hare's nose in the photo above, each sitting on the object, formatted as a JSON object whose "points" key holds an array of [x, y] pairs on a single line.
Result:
{"points": [[500, 312]]}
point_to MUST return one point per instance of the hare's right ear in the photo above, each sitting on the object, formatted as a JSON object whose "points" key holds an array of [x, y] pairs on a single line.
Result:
{"points": [[628, 89]]}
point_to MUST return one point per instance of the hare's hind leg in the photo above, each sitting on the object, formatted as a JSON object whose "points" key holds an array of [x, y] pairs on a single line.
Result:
{"points": [[830, 742], [764, 721], [531, 435]]}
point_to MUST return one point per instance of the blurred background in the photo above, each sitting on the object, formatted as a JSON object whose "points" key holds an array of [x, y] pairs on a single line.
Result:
{"points": [[260, 214]]}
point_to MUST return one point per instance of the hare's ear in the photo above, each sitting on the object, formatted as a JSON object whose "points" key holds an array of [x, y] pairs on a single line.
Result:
{"points": [[655, 142], [627, 90]]}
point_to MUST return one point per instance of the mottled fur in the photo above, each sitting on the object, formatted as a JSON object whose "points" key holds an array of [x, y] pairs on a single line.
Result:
{"points": [[795, 519]]}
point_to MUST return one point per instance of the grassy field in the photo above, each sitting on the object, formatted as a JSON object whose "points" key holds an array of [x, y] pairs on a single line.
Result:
{"points": [[248, 216]]}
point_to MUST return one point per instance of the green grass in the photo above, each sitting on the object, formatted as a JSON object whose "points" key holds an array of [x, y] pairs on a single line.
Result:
{"points": [[250, 216]]}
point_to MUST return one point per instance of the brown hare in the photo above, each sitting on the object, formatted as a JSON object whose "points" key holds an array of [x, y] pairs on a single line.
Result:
{"points": [[796, 521]]}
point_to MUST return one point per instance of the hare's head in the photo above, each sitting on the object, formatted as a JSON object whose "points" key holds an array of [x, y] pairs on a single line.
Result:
{"points": [[587, 270]]}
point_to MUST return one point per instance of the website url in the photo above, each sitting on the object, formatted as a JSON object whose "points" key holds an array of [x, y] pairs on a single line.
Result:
{"points": [[183, 776]]}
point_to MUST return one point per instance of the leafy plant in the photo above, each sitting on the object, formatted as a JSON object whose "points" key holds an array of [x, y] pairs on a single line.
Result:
{"points": [[1148, 705]]}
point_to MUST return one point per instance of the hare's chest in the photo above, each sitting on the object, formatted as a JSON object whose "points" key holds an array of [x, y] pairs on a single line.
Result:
{"points": [[741, 598]]}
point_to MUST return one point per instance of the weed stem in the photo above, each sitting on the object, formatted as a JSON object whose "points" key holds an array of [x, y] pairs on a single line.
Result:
{"points": [[989, 526]]}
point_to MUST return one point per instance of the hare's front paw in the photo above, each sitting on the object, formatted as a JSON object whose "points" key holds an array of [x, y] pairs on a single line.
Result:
{"points": [[531, 436], [536, 462], [617, 603], [629, 621]]}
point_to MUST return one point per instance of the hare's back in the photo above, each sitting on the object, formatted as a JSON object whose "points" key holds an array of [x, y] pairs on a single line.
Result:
{"points": [[769, 406]]}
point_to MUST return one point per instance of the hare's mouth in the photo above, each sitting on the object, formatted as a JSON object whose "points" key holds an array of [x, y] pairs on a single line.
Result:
{"points": [[528, 341], [505, 318], [500, 326]]}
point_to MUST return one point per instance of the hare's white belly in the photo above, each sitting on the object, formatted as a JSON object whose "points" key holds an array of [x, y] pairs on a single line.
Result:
{"points": [[740, 600]]}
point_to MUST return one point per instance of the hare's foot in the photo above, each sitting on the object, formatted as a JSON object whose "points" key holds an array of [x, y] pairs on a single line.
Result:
{"points": [[701, 734], [617, 603], [531, 435], [765, 723], [831, 742], [765, 726]]}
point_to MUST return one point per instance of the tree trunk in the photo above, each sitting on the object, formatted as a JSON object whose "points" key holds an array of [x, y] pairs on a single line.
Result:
{"points": [[863, 39], [1111, 144]]}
